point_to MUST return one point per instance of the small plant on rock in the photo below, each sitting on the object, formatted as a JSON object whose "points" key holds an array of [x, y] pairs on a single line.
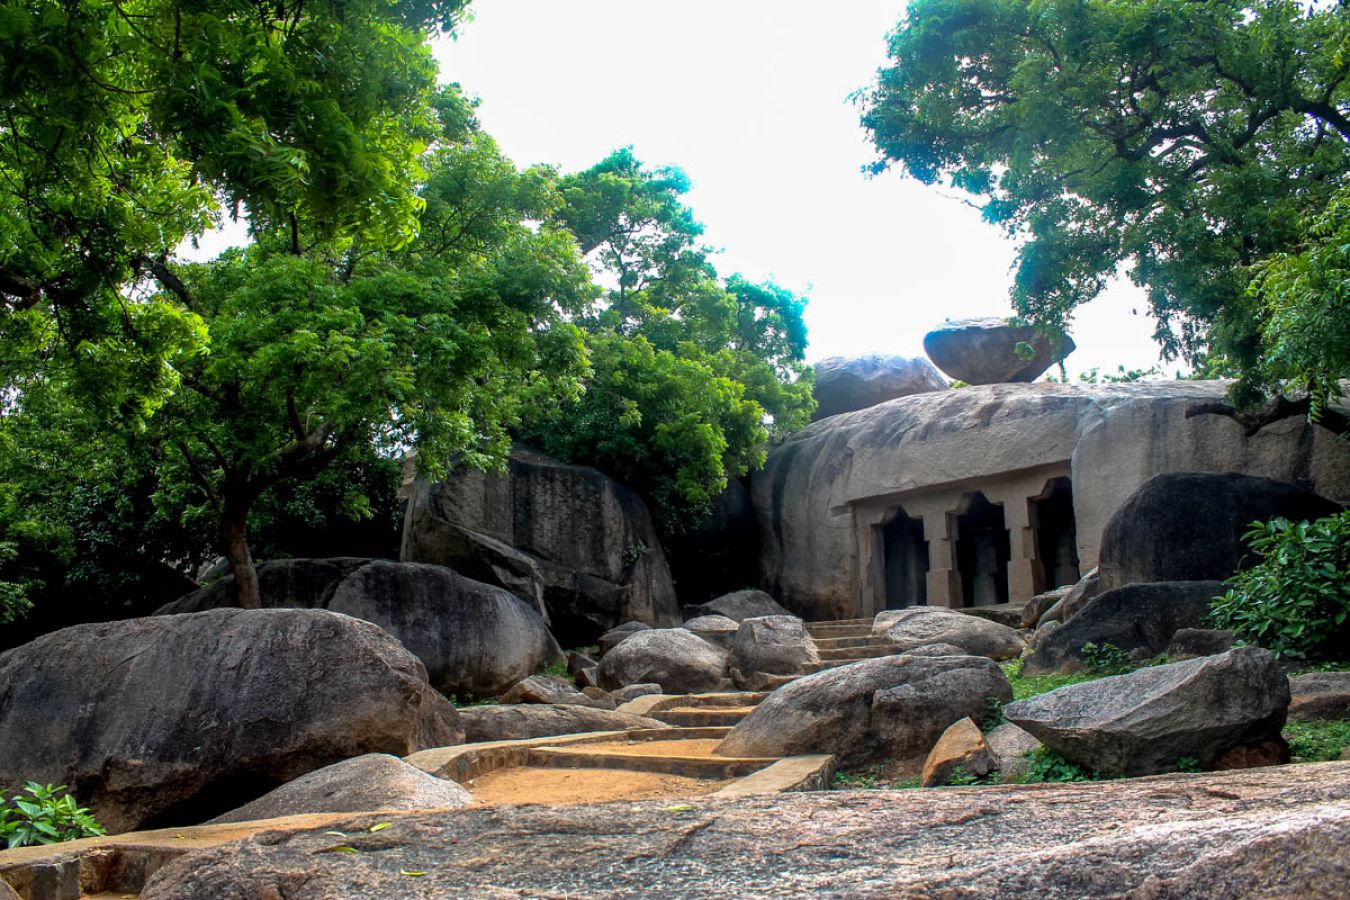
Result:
{"points": [[854, 781], [43, 817], [1048, 767], [1295, 602], [1106, 659]]}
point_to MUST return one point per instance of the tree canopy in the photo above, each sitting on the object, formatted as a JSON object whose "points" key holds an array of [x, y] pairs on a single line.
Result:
{"points": [[129, 124], [1187, 141], [692, 375]]}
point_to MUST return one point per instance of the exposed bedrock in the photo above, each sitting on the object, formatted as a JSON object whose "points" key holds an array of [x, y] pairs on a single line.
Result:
{"points": [[567, 538], [1264, 833], [826, 491]]}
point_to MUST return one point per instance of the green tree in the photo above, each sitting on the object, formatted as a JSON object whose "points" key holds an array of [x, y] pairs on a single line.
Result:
{"points": [[128, 124], [692, 375], [1185, 139]]}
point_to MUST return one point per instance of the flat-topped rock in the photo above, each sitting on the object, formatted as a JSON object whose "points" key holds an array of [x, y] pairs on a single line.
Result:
{"points": [[1263, 833], [994, 351]]}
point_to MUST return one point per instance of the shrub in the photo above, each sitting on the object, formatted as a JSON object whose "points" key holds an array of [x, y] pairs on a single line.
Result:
{"points": [[1045, 766], [1107, 659], [42, 817], [1295, 602]]}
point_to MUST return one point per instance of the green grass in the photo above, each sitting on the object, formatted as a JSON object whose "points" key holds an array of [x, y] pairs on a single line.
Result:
{"points": [[1318, 741], [852, 781], [1024, 686]]}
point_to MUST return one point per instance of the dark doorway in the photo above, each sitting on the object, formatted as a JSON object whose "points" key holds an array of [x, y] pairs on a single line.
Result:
{"points": [[905, 556], [1056, 534], [982, 552]]}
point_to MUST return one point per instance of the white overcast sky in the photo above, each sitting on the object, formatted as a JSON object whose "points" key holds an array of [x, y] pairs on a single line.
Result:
{"points": [[750, 97]]}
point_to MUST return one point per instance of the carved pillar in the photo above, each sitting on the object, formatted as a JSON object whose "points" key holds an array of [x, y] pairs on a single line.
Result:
{"points": [[1022, 563], [944, 581]]}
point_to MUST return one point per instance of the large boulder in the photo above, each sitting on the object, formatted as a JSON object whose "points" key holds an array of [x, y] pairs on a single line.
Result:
{"points": [[1064, 609], [170, 720], [738, 606], [678, 660], [889, 708], [1260, 835], [844, 384], [961, 750], [1140, 619], [906, 629], [549, 689], [986, 351], [610, 639], [1319, 695], [824, 489], [476, 640], [523, 721], [1149, 720], [766, 648], [1188, 526], [568, 537], [362, 784], [716, 630]]}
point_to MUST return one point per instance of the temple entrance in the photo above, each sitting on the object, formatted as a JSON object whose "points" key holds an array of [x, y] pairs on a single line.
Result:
{"points": [[982, 551], [905, 556], [1056, 535]]}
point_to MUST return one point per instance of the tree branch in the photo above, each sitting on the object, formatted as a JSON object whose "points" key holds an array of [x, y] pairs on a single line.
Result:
{"points": [[165, 276], [1276, 410]]}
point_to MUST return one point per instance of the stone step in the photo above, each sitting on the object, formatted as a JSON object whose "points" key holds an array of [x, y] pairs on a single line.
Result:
{"points": [[866, 651], [709, 767], [839, 629], [833, 664], [703, 717], [836, 643]]}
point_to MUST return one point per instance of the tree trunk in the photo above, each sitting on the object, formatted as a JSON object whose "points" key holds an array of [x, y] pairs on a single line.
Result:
{"points": [[234, 544]]}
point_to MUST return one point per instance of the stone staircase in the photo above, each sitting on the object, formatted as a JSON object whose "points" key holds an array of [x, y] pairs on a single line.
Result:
{"points": [[843, 641]]}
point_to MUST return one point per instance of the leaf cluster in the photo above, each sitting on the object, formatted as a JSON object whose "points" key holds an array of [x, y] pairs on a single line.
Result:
{"points": [[43, 815], [1295, 601]]}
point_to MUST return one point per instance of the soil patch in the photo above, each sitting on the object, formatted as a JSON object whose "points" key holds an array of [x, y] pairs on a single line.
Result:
{"points": [[529, 784], [687, 747]]}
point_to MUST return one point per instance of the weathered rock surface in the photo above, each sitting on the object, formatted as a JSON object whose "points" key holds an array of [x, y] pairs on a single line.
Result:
{"points": [[769, 646], [1319, 695], [1189, 643], [173, 719], [720, 552], [1265, 834], [984, 351], [738, 606], [547, 689], [1089, 586], [1038, 605], [962, 749], [1188, 526], [893, 707], [533, 720], [577, 662], [634, 691], [1148, 720], [610, 639], [716, 630], [844, 383], [362, 784], [1007, 614], [476, 640], [678, 660], [1140, 619], [1010, 746], [1110, 438], [936, 650], [568, 537], [916, 626]]}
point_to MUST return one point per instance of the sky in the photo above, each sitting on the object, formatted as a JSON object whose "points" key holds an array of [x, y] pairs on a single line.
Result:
{"points": [[750, 98]]}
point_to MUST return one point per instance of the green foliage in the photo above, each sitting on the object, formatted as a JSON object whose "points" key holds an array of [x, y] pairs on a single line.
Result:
{"points": [[43, 817], [128, 124], [1183, 142], [691, 375], [854, 780], [1045, 766], [1188, 764], [557, 669], [1107, 659], [1317, 741], [1024, 686], [1295, 602]]}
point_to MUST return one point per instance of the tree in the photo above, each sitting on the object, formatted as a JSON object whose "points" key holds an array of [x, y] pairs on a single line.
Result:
{"points": [[434, 348], [691, 375], [1187, 139], [127, 124]]}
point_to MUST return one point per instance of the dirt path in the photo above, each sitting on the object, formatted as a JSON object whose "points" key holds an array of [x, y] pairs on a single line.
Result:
{"points": [[528, 784]]}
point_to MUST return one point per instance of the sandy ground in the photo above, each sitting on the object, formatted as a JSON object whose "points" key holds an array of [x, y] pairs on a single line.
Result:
{"points": [[528, 784], [695, 747]]}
